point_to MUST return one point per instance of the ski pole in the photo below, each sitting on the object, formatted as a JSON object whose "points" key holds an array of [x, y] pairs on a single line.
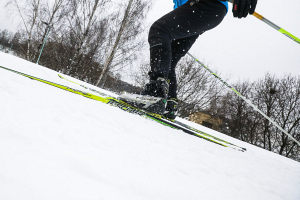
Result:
{"points": [[49, 27], [245, 99], [278, 28], [281, 30]]}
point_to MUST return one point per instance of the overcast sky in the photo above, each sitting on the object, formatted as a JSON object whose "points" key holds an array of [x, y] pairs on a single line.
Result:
{"points": [[242, 48]]}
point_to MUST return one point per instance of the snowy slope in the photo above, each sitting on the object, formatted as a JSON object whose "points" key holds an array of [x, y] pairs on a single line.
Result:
{"points": [[59, 145]]}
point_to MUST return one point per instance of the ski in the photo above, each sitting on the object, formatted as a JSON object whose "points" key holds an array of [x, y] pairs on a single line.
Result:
{"points": [[107, 99], [161, 117]]}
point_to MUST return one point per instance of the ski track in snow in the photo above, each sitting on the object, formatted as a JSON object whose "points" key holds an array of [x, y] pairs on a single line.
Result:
{"points": [[59, 145]]}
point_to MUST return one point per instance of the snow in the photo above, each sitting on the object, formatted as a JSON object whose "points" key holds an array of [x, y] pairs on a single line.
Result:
{"points": [[58, 145]]}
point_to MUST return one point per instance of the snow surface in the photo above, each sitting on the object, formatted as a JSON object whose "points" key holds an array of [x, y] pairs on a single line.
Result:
{"points": [[59, 145]]}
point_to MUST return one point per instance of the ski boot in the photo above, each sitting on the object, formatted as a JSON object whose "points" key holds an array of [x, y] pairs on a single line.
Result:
{"points": [[152, 99], [171, 108]]}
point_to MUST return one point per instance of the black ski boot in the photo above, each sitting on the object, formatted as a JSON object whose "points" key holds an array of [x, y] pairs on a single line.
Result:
{"points": [[153, 98], [171, 109]]}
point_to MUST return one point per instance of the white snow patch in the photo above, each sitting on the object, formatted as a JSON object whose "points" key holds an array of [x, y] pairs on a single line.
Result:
{"points": [[59, 145]]}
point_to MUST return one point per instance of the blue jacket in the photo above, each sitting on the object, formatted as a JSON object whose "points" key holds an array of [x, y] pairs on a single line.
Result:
{"points": [[178, 3]]}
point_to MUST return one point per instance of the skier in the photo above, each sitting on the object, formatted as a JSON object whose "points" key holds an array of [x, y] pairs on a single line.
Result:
{"points": [[170, 38]]}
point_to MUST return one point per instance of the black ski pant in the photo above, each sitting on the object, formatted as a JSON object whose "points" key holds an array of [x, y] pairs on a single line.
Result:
{"points": [[171, 37]]}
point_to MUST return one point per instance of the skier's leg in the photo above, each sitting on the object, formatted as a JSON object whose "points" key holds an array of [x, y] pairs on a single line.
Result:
{"points": [[183, 22], [179, 48]]}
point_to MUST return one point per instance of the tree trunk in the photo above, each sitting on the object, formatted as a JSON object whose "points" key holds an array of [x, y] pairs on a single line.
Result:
{"points": [[116, 44]]}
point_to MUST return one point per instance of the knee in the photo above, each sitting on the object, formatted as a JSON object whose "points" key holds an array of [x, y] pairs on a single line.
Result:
{"points": [[158, 32]]}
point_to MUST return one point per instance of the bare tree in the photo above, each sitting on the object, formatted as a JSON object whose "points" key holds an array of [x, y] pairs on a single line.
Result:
{"points": [[5, 36], [28, 11], [52, 13], [197, 88], [279, 99], [7, 40], [83, 16], [126, 31], [266, 102], [241, 124], [287, 115]]}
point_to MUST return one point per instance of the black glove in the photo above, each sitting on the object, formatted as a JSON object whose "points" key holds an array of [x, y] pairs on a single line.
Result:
{"points": [[241, 8]]}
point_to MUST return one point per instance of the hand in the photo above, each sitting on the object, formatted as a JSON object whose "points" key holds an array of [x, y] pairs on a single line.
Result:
{"points": [[241, 8]]}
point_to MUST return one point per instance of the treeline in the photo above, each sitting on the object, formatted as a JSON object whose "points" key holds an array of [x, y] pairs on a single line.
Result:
{"points": [[279, 99], [89, 40], [6, 41]]}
